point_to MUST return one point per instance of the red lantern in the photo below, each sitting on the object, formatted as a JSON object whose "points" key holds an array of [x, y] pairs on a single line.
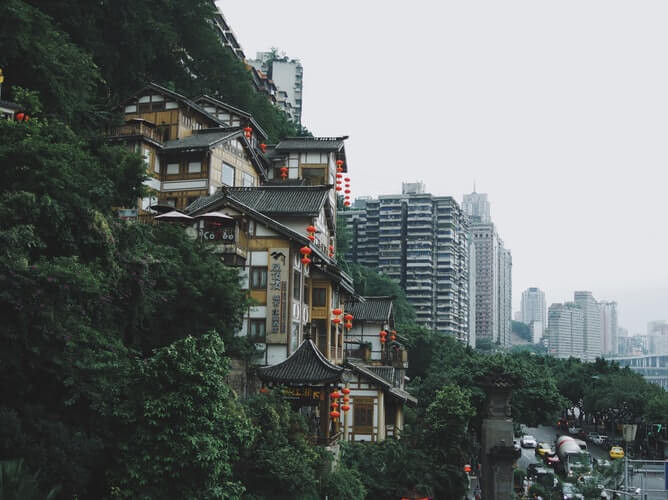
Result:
{"points": [[393, 337], [311, 237], [264, 390], [346, 203], [339, 163], [263, 147], [345, 390], [347, 191], [337, 312], [345, 407], [383, 340], [348, 317], [348, 325], [339, 188], [306, 260], [19, 117], [335, 394], [305, 251], [331, 248], [334, 405], [26, 118], [339, 175], [247, 132], [336, 321], [382, 333], [311, 229], [347, 179], [331, 254], [334, 414], [467, 468], [345, 399]]}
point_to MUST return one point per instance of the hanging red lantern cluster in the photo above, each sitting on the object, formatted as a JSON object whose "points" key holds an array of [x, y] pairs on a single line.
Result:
{"points": [[346, 198], [349, 321], [339, 165], [248, 132], [336, 312], [393, 335], [263, 147], [334, 396], [22, 117], [284, 173], [331, 250], [305, 251], [311, 232], [382, 334]]}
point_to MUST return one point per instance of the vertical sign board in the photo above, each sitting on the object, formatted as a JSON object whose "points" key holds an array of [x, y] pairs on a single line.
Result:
{"points": [[277, 295]]}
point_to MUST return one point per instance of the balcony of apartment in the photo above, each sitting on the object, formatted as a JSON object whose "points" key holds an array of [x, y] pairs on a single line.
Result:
{"points": [[136, 128]]}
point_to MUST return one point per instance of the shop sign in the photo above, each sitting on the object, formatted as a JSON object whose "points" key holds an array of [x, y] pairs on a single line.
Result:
{"points": [[277, 295], [308, 393]]}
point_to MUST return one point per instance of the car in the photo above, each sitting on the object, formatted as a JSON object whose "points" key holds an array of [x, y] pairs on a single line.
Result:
{"points": [[616, 452], [551, 459], [542, 448], [602, 463], [528, 441], [591, 436], [600, 439], [574, 430], [569, 492]]}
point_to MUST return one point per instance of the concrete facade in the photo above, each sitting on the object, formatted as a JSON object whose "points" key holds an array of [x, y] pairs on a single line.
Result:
{"points": [[533, 306], [609, 327], [592, 324], [566, 331], [422, 242], [287, 74]]}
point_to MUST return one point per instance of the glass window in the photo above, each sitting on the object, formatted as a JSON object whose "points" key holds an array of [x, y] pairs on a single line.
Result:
{"points": [[257, 329], [306, 295], [247, 180], [172, 168], [319, 297], [194, 167], [314, 176], [296, 284], [362, 412], [258, 278], [228, 174]]}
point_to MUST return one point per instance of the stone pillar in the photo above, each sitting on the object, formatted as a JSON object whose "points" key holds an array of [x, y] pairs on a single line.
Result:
{"points": [[498, 452]]}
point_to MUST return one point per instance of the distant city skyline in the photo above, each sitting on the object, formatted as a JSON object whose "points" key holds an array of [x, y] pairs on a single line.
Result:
{"points": [[566, 133]]}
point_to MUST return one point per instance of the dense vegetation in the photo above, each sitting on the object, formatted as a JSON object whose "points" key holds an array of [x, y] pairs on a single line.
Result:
{"points": [[86, 57]]}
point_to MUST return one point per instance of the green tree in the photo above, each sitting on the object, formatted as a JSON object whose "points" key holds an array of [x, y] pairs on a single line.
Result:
{"points": [[183, 428], [522, 330]]}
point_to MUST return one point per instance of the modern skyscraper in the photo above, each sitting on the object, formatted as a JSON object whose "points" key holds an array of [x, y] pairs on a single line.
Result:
{"points": [[566, 331], [609, 328], [423, 243], [532, 307], [493, 278], [592, 324]]}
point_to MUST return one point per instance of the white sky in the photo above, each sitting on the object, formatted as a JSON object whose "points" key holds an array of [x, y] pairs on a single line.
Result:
{"points": [[558, 110]]}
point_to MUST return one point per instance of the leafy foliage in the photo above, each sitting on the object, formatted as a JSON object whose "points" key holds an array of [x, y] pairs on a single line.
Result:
{"points": [[522, 330]]}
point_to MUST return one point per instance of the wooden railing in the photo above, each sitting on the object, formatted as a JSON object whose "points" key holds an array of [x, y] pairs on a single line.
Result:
{"points": [[135, 128]]}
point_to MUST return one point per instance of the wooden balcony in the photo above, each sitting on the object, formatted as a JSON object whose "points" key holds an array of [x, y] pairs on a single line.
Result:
{"points": [[136, 128]]}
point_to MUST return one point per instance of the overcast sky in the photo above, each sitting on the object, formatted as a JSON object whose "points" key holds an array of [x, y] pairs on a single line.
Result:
{"points": [[558, 110]]}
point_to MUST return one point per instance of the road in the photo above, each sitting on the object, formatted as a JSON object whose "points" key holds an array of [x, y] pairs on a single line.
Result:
{"points": [[648, 481]]}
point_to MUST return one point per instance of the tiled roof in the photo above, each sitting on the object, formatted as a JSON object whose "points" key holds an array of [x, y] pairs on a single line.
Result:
{"points": [[202, 139], [216, 102], [306, 366], [311, 144], [371, 373], [371, 309], [281, 199]]}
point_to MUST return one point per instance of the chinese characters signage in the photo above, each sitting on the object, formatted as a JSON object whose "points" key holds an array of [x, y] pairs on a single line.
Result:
{"points": [[277, 295], [301, 393]]}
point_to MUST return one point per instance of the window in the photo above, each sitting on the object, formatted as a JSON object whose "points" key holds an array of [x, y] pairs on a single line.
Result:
{"points": [[172, 168], [247, 180], [257, 329], [306, 295], [314, 176], [362, 412], [147, 157], [194, 167], [319, 297], [296, 284], [171, 202], [228, 174], [258, 278]]}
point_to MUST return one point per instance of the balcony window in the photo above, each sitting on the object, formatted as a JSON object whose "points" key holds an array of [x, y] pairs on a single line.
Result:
{"points": [[172, 168], [194, 167], [257, 330], [319, 297], [228, 175], [258, 278]]}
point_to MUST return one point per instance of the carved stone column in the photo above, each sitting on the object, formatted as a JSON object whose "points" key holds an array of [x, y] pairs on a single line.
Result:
{"points": [[498, 453]]}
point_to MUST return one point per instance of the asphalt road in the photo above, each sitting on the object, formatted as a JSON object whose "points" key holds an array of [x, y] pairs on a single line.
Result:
{"points": [[648, 481]]}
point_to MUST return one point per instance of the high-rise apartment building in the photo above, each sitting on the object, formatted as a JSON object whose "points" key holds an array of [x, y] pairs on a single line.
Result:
{"points": [[566, 331], [532, 307], [493, 277], [287, 74], [609, 328], [421, 242], [592, 324]]}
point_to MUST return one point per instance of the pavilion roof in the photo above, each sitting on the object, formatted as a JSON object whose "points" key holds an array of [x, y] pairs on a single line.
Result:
{"points": [[306, 366]]}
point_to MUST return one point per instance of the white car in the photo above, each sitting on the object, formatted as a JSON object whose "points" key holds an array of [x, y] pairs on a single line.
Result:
{"points": [[528, 442], [600, 439]]}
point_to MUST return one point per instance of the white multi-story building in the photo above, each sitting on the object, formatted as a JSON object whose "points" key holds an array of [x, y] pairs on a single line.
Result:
{"points": [[422, 242], [533, 306], [493, 278], [566, 331], [609, 328], [592, 324], [287, 74]]}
